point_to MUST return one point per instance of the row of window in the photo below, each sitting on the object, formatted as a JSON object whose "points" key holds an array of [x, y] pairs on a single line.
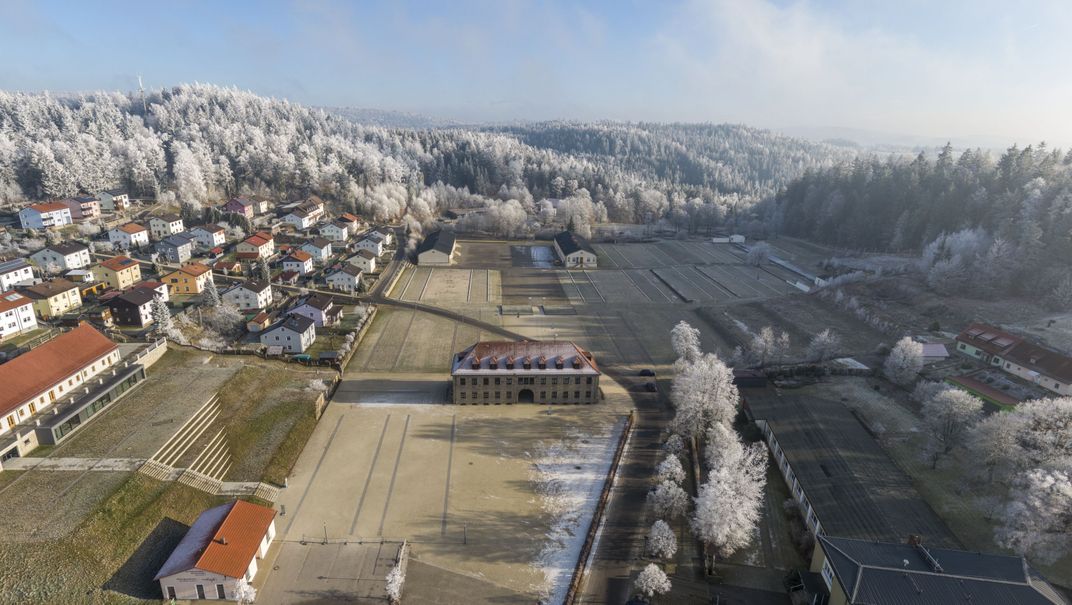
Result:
{"points": [[526, 380], [475, 396]]}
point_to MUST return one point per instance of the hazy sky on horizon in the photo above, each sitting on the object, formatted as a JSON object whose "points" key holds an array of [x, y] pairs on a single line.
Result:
{"points": [[937, 69]]}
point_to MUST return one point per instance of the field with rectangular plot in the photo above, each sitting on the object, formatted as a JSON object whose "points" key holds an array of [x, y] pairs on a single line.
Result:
{"points": [[446, 287]]}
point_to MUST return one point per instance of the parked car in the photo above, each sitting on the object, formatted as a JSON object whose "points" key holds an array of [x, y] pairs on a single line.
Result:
{"points": [[647, 372]]}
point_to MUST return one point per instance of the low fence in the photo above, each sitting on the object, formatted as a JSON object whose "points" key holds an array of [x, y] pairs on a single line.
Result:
{"points": [[581, 568]]}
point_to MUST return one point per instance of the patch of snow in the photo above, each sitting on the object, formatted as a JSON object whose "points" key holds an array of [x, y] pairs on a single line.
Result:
{"points": [[569, 475]]}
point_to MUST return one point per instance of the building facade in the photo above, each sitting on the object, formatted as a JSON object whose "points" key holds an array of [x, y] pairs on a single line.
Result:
{"points": [[16, 315], [249, 295], [45, 216], [497, 372], [52, 299], [165, 225], [15, 273], [130, 235], [209, 236], [118, 272], [437, 248], [574, 251], [294, 333], [188, 279], [64, 256]]}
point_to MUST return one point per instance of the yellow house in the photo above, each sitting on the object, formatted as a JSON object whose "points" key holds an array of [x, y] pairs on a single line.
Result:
{"points": [[189, 279], [53, 298], [118, 272]]}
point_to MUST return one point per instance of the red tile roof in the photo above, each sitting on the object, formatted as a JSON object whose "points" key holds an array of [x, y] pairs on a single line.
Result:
{"points": [[12, 300], [988, 338], [301, 255], [36, 371], [49, 207], [132, 228], [256, 240], [118, 263], [194, 269]]}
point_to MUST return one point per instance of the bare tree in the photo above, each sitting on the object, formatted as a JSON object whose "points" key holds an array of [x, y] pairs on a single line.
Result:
{"points": [[758, 254]]}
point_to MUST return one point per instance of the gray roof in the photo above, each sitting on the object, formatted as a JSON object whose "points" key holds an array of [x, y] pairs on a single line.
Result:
{"points": [[68, 247], [294, 323], [114, 192], [569, 242], [187, 553], [254, 285], [441, 241], [349, 269], [318, 242], [13, 265], [882, 573], [178, 240], [169, 218], [135, 296]]}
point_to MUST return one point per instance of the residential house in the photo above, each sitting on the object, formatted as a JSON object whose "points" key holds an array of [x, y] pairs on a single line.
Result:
{"points": [[83, 207], [45, 216], [574, 251], [118, 272], [53, 298], [300, 219], [527, 371], [15, 273], [177, 248], [862, 572], [249, 295], [295, 333], [165, 225], [63, 256], [336, 231], [209, 236], [1041, 365], [370, 243], [241, 206], [985, 342], [385, 234], [347, 278], [114, 199], [133, 308], [158, 288], [286, 278], [320, 248], [299, 261], [16, 315], [130, 235], [220, 548], [228, 267], [259, 322], [353, 222], [56, 369], [320, 308], [437, 248], [188, 279], [257, 246], [364, 260]]}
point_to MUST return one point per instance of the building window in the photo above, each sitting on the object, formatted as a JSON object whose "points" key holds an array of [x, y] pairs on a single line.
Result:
{"points": [[220, 592], [543, 380], [498, 394], [589, 380], [828, 574], [554, 380], [200, 591], [461, 395], [485, 394], [462, 382], [576, 394], [485, 382], [497, 381], [554, 395], [587, 394], [171, 592], [543, 394]]}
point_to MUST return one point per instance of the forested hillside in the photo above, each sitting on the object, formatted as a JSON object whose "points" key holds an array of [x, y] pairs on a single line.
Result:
{"points": [[984, 226], [206, 143]]}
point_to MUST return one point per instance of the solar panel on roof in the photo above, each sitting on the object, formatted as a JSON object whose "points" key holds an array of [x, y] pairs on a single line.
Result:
{"points": [[1004, 341], [974, 332], [988, 336]]}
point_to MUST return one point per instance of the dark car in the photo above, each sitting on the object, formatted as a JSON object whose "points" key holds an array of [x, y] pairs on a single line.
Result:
{"points": [[650, 387], [647, 372]]}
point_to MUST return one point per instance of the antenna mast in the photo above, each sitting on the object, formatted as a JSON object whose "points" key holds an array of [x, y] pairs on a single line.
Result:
{"points": [[141, 92]]}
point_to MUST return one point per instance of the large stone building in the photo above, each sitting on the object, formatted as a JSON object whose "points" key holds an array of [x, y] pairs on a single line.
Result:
{"points": [[524, 372]]}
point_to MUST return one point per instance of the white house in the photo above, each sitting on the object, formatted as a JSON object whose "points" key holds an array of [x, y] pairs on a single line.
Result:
{"points": [[165, 225], [44, 216], [319, 248], [259, 245], [364, 260], [16, 314], [347, 278], [574, 251], [386, 234], [252, 294], [299, 261], [220, 548], [114, 199], [64, 256], [15, 273], [177, 248], [209, 236], [437, 248], [130, 235], [373, 245], [294, 333], [320, 308], [301, 219], [336, 231]]}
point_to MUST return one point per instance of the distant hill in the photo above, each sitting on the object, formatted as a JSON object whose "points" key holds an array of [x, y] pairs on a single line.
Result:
{"points": [[388, 119]]}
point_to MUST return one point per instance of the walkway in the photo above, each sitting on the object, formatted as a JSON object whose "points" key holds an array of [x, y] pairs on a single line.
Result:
{"points": [[73, 464]]}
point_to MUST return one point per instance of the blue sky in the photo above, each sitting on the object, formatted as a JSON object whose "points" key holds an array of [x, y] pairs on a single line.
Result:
{"points": [[942, 69]]}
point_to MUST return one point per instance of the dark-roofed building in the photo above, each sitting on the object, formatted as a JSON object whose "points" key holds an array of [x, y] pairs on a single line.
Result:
{"points": [[437, 248], [985, 342], [64, 255], [295, 333], [858, 572], [133, 307], [574, 251], [53, 298], [528, 371], [248, 295], [320, 308], [1043, 366], [165, 225], [845, 483], [219, 549], [15, 273], [177, 248]]}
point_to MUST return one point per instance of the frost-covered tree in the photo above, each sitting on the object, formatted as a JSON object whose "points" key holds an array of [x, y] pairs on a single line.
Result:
{"points": [[662, 543], [904, 362], [244, 593], [651, 582], [1037, 522], [162, 321], [994, 445], [211, 296], [730, 503], [668, 500], [670, 469], [674, 445], [263, 272], [758, 254], [1036, 434], [395, 581], [685, 340], [823, 346], [189, 180], [948, 417], [703, 393]]}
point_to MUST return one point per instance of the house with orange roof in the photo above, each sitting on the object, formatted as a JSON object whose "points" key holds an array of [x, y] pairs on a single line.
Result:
{"points": [[299, 261], [188, 279], [118, 272], [259, 245], [130, 235], [220, 549], [16, 314], [45, 216]]}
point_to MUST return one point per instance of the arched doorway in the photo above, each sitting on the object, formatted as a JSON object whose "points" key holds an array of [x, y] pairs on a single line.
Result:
{"points": [[525, 396]]}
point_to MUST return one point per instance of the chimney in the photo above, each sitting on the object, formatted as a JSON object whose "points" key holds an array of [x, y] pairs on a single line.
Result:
{"points": [[222, 540], [542, 363], [476, 362], [560, 362]]}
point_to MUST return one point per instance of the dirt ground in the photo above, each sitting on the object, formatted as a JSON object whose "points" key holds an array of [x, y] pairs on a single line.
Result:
{"points": [[453, 480]]}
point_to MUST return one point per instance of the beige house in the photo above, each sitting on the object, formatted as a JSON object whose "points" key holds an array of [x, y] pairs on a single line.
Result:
{"points": [[574, 251], [188, 279], [220, 549], [118, 272], [437, 248], [524, 372], [53, 298]]}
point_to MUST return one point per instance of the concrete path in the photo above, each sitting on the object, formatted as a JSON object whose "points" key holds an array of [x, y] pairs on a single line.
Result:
{"points": [[73, 464]]}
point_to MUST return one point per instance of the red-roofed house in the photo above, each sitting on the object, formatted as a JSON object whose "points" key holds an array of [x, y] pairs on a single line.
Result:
{"points": [[43, 216], [985, 342], [220, 548], [258, 245]]}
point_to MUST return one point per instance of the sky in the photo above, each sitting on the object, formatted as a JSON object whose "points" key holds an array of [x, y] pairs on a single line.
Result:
{"points": [[949, 69]]}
